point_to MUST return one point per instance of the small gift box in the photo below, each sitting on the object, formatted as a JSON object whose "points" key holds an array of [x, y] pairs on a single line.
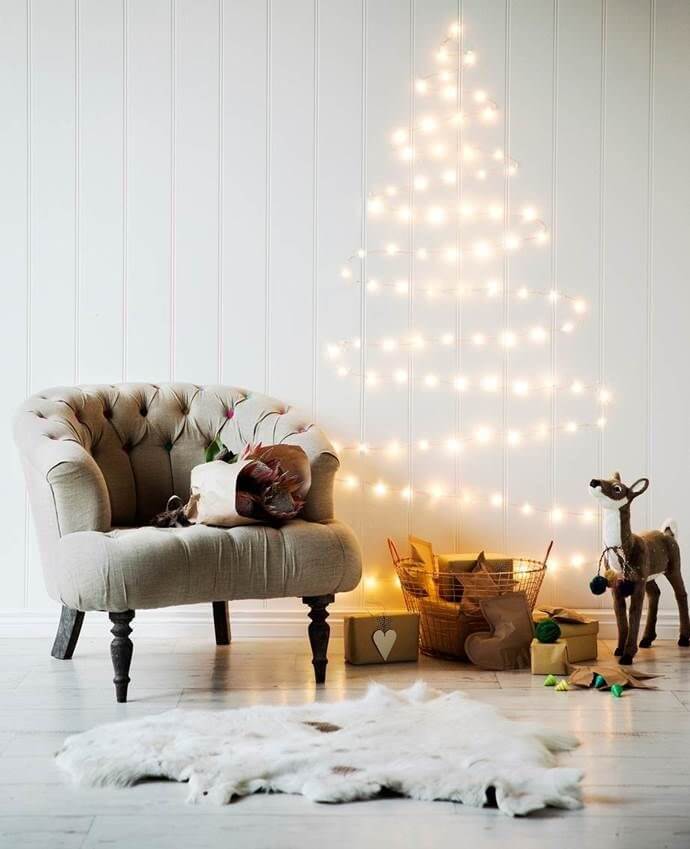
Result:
{"points": [[549, 658], [577, 631], [455, 572], [384, 638]]}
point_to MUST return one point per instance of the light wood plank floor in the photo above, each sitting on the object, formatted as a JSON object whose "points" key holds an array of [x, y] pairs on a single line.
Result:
{"points": [[635, 751]]}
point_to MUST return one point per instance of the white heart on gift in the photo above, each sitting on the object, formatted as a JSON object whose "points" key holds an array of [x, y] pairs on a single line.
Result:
{"points": [[384, 641]]}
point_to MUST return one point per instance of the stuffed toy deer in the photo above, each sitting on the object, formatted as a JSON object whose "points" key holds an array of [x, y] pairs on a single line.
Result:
{"points": [[633, 563]]}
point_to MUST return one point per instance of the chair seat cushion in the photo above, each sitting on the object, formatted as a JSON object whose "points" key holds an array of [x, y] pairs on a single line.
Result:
{"points": [[145, 567]]}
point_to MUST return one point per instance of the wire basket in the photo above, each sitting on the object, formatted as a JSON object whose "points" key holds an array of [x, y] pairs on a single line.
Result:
{"points": [[449, 603]]}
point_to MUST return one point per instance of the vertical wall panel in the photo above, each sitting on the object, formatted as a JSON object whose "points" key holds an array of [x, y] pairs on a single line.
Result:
{"points": [[14, 221], [338, 216], [670, 260], [576, 242], [290, 321], [148, 190], [101, 191], [196, 231], [244, 182], [626, 175]]}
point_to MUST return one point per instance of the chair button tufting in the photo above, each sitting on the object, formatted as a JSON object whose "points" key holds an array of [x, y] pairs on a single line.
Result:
{"points": [[143, 411], [168, 446], [39, 414], [127, 447], [229, 413], [108, 413]]}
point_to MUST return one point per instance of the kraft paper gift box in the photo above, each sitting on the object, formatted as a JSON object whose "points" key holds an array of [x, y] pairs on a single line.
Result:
{"points": [[381, 638], [450, 589], [549, 658], [577, 631]]}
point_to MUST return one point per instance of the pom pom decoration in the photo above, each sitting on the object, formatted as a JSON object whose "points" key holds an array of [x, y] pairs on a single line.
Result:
{"points": [[562, 686], [617, 690], [599, 682], [598, 585], [547, 631], [550, 681]]}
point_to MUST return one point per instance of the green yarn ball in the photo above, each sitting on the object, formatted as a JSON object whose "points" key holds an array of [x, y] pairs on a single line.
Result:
{"points": [[547, 631], [598, 585]]}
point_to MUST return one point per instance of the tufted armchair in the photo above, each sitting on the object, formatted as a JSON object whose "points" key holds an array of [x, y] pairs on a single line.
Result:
{"points": [[101, 461]]}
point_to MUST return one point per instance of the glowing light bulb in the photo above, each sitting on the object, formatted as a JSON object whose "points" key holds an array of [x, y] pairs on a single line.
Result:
{"points": [[553, 296], [466, 210], [470, 58], [333, 351], [391, 191], [442, 55], [469, 154], [422, 254], [406, 493], [481, 249], [373, 285], [521, 387], [481, 174], [489, 383], [577, 387], [511, 242], [480, 96], [370, 582], [587, 516], [361, 253], [431, 380], [454, 30], [421, 86], [356, 343], [417, 341], [399, 136], [389, 344], [436, 215], [571, 427], [541, 237], [345, 273], [577, 560], [489, 112], [449, 92], [556, 515], [421, 183], [527, 509], [380, 489], [363, 448], [375, 206], [483, 435], [423, 445], [447, 339], [351, 482], [523, 293], [567, 327], [460, 383], [541, 431], [436, 491], [444, 76], [400, 375], [496, 499], [372, 378], [511, 170], [405, 213], [495, 211], [343, 371], [450, 254], [453, 445], [498, 155], [392, 249], [601, 422], [580, 306], [457, 119], [508, 339], [514, 437], [492, 288], [439, 150], [407, 153], [478, 339], [529, 213], [604, 396], [448, 177], [428, 124], [538, 334], [393, 449], [401, 287]]}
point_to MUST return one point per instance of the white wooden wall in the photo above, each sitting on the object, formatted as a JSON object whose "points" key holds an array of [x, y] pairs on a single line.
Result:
{"points": [[180, 181]]}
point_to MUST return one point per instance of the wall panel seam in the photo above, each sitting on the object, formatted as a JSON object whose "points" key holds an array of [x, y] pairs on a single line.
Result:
{"points": [[173, 210], [77, 187], [315, 223], [650, 253], [221, 187], [267, 270], [555, 281], [29, 264], [125, 176]]}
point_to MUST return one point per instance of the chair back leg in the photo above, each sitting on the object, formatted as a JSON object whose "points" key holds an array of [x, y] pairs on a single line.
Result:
{"points": [[221, 623], [67, 635]]}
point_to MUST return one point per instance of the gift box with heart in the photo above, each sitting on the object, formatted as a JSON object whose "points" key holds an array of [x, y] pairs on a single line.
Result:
{"points": [[381, 637]]}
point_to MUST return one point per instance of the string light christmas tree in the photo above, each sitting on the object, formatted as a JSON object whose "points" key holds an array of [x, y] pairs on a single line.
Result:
{"points": [[457, 238]]}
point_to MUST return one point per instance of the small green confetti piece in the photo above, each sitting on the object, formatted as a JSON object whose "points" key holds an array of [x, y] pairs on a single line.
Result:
{"points": [[599, 682], [562, 686], [550, 681], [617, 690]]}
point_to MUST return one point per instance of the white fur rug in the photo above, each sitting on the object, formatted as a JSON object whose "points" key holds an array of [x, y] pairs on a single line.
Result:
{"points": [[417, 742]]}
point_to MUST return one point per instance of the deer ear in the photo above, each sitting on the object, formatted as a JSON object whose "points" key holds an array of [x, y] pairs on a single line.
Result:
{"points": [[638, 487], [616, 476]]}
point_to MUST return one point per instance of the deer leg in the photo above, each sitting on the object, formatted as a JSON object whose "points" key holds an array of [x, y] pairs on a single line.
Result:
{"points": [[676, 580], [649, 635], [634, 619], [621, 620]]}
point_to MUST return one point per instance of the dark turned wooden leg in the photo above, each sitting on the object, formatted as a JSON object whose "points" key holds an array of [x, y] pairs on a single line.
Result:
{"points": [[221, 622], [121, 649], [67, 633], [319, 633]]}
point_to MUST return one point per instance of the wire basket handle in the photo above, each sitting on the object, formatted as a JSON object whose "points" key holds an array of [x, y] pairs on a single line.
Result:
{"points": [[392, 547], [548, 551]]}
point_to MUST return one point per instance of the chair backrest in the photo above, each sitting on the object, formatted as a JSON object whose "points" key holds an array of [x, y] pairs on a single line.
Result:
{"points": [[146, 438]]}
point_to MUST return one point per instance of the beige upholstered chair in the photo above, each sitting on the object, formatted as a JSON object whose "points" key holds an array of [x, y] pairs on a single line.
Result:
{"points": [[101, 461]]}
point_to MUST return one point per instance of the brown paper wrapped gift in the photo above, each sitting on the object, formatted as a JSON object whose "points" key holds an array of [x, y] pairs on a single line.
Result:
{"points": [[549, 658], [445, 628], [381, 638], [449, 565], [579, 632]]}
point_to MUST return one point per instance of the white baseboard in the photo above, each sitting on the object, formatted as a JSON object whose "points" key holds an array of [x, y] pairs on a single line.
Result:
{"points": [[261, 623]]}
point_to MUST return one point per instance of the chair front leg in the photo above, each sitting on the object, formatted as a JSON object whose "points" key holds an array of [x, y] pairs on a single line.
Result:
{"points": [[67, 633], [221, 623], [319, 633], [121, 650]]}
